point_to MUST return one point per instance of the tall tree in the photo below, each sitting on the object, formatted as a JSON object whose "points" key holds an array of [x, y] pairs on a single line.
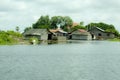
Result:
{"points": [[55, 20], [81, 23], [64, 22], [43, 22], [68, 21], [27, 28], [17, 28]]}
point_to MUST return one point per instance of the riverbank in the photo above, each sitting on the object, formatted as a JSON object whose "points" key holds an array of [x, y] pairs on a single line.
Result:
{"points": [[115, 40], [21, 41]]}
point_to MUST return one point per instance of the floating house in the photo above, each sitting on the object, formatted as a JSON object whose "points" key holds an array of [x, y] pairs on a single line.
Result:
{"points": [[100, 34], [57, 34], [80, 34], [41, 34]]}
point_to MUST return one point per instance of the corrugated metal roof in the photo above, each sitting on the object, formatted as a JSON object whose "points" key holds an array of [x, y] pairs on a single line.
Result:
{"points": [[81, 32], [57, 30], [35, 32]]}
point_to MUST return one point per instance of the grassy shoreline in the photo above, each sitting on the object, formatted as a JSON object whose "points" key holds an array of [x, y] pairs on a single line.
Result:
{"points": [[115, 40]]}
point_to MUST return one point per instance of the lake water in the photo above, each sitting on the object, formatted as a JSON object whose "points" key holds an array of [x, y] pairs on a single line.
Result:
{"points": [[80, 60]]}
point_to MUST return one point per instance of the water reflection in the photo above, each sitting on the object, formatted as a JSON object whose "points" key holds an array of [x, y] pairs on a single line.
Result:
{"points": [[66, 42]]}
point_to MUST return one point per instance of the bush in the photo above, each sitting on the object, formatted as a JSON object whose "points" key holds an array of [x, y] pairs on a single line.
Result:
{"points": [[9, 37], [33, 40]]}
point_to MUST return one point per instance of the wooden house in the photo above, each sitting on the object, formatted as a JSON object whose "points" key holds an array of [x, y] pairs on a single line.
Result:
{"points": [[41, 34], [80, 34], [58, 34], [99, 33]]}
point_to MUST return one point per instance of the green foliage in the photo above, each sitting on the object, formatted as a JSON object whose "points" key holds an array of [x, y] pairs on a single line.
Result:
{"points": [[115, 40], [78, 27], [55, 20], [27, 28], [68, 21], [17, 28], [45, 22], [101, 25], [32, 39], [113, 31], [64, 22], [9, 37], [4, 37], [42, 23], [14, 34], [82, 23]]}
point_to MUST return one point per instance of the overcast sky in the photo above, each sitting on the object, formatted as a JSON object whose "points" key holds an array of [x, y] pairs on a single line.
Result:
{"points": [[24, 13]]}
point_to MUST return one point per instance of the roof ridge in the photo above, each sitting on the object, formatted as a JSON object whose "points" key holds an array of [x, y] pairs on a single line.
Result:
{"points": [[100, 29]]}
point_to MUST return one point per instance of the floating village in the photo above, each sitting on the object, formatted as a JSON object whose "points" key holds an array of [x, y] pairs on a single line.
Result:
{"points": [[58, 34]]}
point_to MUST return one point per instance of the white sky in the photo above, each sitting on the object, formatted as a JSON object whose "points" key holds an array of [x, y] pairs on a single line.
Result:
{"points": [[24, 13]]}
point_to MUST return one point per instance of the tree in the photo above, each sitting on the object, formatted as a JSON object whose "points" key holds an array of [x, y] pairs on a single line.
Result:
{"points": [[17, 28], [64, 22], [68, 22], [43, 22], [80, 26], [81, 23], [27, 28], [55, 20]]}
